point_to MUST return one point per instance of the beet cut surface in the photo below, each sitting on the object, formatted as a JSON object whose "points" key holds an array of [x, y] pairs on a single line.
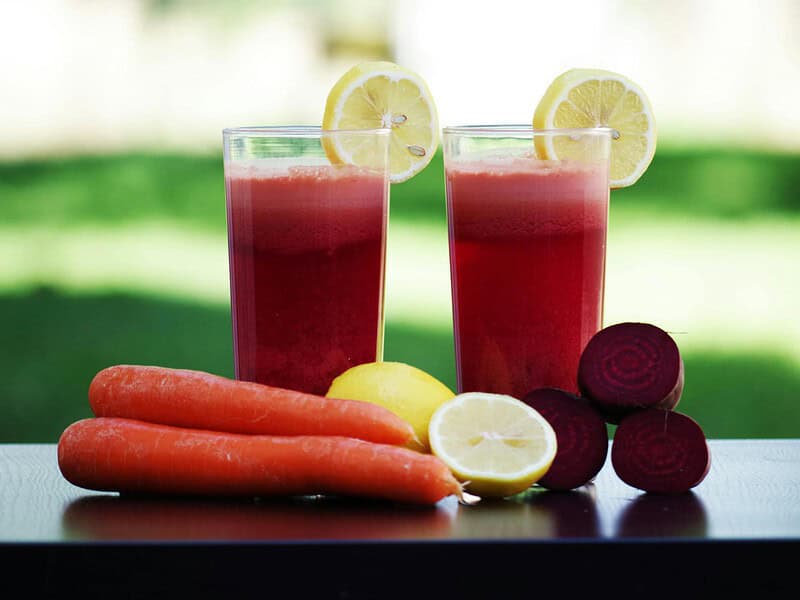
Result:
{"points": [[660, 451], [630, 366], [581, 436]]}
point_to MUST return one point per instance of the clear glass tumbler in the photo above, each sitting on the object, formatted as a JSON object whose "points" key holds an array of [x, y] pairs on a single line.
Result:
{"points": [[527, 252], [307, 244]]}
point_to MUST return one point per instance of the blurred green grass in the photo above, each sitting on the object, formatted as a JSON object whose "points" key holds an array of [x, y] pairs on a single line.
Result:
{"points": [[59, 341], [55, 339], [717, 184]]}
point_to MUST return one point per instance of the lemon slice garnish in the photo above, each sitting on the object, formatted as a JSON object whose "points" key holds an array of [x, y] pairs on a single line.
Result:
{"points": [[596, 98], [497, 445], [382, 94]]}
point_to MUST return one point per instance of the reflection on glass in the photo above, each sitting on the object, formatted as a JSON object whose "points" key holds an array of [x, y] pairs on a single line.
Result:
{"points": [[150, 518], [651, 515]]}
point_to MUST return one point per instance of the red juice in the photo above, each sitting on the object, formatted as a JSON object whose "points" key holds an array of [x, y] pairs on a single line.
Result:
{"points": [[306, 249], [527, 252]]}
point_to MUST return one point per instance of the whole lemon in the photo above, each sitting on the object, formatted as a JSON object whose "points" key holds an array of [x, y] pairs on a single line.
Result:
{"points": [[409, 392]]}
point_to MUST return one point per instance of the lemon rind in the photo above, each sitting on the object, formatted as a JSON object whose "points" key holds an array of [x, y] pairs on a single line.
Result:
{"points": [[489, 482], [361, 74], [558, 92]]}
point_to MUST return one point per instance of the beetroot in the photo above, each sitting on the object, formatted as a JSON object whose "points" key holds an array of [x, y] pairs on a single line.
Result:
{"points": [[660, 451], [581, 436], [631, 366]]}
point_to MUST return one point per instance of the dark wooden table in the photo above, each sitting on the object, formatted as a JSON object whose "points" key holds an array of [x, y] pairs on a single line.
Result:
{"points": [[737, 532]]}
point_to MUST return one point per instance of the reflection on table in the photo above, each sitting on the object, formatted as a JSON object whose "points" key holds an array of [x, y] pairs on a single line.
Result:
{"points": [[121, 517], [536, 514]]}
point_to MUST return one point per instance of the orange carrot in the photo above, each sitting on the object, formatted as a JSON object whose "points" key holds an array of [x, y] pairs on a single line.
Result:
{"points": [[125, 455], [199, 400]]}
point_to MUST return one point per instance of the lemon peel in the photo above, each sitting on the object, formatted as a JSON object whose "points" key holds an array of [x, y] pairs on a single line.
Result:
{"points": [[381, 94], [581, 98]]}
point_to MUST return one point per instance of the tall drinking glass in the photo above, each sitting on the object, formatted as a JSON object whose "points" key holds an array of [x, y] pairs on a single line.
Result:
{"points": [[306, 243], [527, 252]]}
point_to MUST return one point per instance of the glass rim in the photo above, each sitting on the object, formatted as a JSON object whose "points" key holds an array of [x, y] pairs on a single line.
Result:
{"points": [[510, 130], [298, 131]]}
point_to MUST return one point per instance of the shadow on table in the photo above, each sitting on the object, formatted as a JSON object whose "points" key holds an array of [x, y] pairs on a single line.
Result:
{"points": [[122, 517]]}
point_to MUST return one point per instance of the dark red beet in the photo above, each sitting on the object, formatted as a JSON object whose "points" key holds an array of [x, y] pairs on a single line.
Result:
{"points": [[631, 366], [660, 451], [581, 436]]}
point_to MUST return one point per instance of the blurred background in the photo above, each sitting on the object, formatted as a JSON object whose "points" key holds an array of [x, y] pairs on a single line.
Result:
{"points": [[112, 219]]}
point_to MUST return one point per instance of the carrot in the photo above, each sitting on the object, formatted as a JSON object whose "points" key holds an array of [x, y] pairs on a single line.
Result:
{"points": [[125, 455], [199, 400]]}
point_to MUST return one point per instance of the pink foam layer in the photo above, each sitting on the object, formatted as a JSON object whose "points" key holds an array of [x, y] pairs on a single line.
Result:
{"points": [[304, 207], [526, 196]]}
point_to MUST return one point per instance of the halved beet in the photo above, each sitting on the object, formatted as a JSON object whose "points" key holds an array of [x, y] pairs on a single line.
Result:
{"points": [[630, 366], [660, 451], [581, 437]]}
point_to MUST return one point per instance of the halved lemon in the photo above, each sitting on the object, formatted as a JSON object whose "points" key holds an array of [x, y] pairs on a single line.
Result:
{"points": [[596, 98], [495, 444], [382, 94]]}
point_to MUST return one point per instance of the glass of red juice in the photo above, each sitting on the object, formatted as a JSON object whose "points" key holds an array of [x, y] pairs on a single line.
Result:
{"points": [[527, 252], [306, 249]]}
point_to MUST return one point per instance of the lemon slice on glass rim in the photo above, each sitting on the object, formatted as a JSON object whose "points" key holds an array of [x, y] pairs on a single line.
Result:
{"points": [[582, 98], [496, 445], [382, 94]]}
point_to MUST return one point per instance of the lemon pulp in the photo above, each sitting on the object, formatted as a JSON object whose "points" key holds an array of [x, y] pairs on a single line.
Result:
{"points": [[496, 444], [582, 98]]}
